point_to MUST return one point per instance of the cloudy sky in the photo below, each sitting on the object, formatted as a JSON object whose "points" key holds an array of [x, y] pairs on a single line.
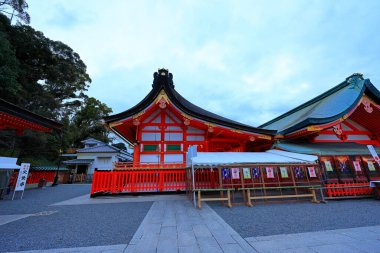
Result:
{"points": [[246, 60]]}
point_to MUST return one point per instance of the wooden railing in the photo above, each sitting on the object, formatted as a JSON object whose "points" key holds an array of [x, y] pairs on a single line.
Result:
{"points": [[138, 181]]}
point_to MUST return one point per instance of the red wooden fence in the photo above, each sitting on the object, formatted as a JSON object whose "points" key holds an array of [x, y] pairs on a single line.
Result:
{"points": [[138, 181], [35, 176]]}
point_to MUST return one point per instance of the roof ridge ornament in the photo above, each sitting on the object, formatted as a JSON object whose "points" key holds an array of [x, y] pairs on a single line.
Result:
{"points": [[355, 80], [162, 77]]}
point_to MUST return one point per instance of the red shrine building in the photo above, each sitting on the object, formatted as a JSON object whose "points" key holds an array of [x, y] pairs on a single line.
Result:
{"points": [[337, 126], [164, 124], [321, 143], [18, 119]]}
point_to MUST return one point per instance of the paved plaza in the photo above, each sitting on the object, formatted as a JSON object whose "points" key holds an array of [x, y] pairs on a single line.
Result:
{"points": [[64, 219]]}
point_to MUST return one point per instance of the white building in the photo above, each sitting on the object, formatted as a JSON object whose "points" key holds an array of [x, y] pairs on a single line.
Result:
{"points": [[95, 155]]}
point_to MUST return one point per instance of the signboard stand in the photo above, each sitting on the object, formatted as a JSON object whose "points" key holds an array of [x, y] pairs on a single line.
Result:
{"points": [[21, 179]]}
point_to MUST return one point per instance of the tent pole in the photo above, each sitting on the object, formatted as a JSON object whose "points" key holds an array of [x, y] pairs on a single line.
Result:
{"points": [[192, 172]]}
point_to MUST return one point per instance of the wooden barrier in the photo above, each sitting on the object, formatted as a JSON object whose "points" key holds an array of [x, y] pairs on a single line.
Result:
{"points": [[221, 198], [138, 181], [34, 177], [311, 195]]}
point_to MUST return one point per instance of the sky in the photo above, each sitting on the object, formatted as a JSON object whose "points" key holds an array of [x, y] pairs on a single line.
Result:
{"points": [[249, 61]]}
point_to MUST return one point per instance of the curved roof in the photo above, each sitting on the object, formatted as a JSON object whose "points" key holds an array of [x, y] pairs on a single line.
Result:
{"points": [[19, 112], [163, 80], [327, 107]]}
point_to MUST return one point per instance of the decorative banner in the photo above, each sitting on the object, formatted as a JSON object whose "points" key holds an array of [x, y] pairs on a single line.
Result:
{"points": [[328, 166], [298, 172], [246, 173], [311, 171], [357, 166], [371, 167], [374, 154], [343, 166], [226, 173], [235, 173], [22, 177], [270, 172], [256, 172], [284, 172]]}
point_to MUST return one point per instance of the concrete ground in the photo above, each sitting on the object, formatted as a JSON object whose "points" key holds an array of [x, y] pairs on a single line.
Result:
{"points": [[65, 219]]}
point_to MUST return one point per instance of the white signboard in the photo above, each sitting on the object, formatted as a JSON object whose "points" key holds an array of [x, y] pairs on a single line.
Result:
{"points": [[22, 177], [374, 154]]}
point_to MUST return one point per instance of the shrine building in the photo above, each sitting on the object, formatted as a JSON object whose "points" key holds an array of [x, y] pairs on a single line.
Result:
{"points": [[164, 124], [329, 144], [337, 126]]}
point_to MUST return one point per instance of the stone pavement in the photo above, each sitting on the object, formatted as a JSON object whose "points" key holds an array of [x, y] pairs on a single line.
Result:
{"points": [[172, 224], [362, 239], [176, 226]]}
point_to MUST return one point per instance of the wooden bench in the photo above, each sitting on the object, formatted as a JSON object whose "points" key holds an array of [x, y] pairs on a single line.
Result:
{"points": [[312, 193], [221, 198]]}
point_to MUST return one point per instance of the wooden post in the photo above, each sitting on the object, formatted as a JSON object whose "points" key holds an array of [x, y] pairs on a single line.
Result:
{"points": [[199, 199], [229, 198], [314, 198], [249, 203]]}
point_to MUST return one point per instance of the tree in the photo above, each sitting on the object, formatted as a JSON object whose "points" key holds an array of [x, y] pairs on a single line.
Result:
{"points": [[50, 71], [9, 69], [87, 122], [15, 8]]}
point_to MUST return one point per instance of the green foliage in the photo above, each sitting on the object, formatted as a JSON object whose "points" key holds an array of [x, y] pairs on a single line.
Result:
{"points": [[15, 8], [48, 78]]}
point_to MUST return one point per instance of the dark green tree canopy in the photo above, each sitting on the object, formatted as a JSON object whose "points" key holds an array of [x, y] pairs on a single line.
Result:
{"points": [[49, 78], [15, 8]]}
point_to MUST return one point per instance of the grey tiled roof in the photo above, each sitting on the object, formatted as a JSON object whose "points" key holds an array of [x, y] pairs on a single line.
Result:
{"points": [[325, 108], [79, 161], [99, 149]]}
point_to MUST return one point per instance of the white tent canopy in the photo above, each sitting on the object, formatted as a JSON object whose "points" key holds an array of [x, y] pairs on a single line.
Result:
{"points": [[8, 163], [268, 157]]}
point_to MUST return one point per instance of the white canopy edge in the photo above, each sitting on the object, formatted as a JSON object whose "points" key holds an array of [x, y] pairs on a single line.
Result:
{"points": [[8, 163], [307, 158], [268, 157]]}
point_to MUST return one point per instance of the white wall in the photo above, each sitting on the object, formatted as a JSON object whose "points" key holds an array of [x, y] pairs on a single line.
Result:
{"points": [[102, 161]]}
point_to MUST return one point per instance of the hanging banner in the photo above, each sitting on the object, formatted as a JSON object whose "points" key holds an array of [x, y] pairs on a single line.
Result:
{"points": [[270, 172], [328, 166], [22, 177], [284, 172], [374, 154], [235, 173], [311, 171], [371, 166], [226, 173], [343, 166], [256, 172], [246, 173], [357, 166], [298, 172]]}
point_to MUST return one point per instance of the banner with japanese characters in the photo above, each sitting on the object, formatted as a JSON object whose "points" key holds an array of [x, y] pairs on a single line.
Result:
{"points": [[22, 177], [311, 171], [270, 172], [371, 166], [226, 173], [235, 173], [284, 172], [246, 173], [328, 166], [357, 166]]}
